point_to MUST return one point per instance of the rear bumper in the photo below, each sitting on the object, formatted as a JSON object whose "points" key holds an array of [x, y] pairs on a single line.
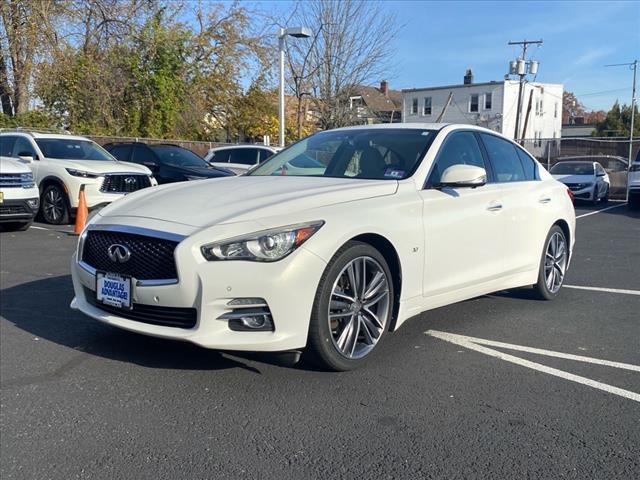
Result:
{"points": [[19, 210]]}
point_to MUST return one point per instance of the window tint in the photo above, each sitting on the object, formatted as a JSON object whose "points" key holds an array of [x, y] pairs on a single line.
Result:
{"points": [[71, 149], [504, 159], [121, 152], [244, 156], [487, 101], [23, 146], [142, 154], [460, 148], [6, 145], [528, 164], [220, 156], [473, 102], [264, 154]]}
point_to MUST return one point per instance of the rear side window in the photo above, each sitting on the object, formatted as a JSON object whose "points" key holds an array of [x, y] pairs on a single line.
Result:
{"points": [[264, 154], [504, 159], [460, 148], [244, 156], [6, 145], [121, 152], [528, 164]]}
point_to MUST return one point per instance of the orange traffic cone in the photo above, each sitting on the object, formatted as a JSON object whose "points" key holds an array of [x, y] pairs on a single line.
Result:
{"points": [[82, 213]]}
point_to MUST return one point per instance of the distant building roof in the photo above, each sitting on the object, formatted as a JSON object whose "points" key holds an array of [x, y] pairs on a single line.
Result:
{"points": [[377, 101]]}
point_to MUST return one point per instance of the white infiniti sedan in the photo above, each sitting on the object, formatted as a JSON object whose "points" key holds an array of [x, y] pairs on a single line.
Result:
{"points": [[403, 218]]}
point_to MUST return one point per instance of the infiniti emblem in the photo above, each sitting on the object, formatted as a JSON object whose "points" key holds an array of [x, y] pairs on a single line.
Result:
{"points": [[119, 253], [129, 180]]}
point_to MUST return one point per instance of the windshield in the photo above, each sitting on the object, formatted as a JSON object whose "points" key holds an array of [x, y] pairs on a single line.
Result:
{"points": [[178, 157], [380, 154], [572, 168], [64, 149]]}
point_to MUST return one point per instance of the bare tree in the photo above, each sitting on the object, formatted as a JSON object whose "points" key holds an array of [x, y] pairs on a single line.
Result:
{"points": [[352, 46]]}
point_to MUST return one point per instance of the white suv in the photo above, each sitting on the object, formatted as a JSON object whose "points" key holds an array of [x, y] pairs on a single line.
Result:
{"points": [[19, 196], [61, 164]]}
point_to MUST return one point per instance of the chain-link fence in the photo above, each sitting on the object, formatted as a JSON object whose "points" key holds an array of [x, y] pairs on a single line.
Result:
{"points": [[611, 153]]}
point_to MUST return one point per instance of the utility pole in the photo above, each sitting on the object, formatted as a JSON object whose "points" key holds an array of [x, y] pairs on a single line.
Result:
{"points": [[521, 67], [632, 65]]}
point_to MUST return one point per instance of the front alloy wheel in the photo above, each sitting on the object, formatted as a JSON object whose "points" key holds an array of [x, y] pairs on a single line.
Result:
{"points": [[352, 309], [53, 206]]}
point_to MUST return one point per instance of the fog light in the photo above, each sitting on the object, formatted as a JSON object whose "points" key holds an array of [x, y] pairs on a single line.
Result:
{"points": [[247, 318], [33, 203], [257, 321]]}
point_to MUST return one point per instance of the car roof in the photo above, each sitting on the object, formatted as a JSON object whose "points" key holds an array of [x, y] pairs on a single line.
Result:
{"points": [[48, 136], [228, 147]]}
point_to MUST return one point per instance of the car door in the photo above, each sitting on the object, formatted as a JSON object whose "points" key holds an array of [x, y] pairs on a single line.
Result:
{"points": [[464, 227], [143, 155], [525, 200]]}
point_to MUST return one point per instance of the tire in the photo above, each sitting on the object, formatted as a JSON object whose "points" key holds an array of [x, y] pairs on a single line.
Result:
{"points": [[54, 206], [634, 201], [548, 288], [594, 200], [605, 199], [332, 343]]}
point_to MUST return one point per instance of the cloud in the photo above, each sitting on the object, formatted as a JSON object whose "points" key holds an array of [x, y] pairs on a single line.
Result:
{"points": [[590, 56]]}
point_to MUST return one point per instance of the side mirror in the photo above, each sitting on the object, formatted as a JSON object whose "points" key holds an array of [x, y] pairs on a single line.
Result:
{"points": [[600, 174], [460, 176], [26, 157]]}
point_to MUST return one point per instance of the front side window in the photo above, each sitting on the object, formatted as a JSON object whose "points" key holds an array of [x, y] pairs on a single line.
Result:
{"points": [[143, 155], [265, 154], [177, 156], [473, 102], [414, 106], [64, 149], [487, 101], [6, 145], [460, 148], [23, 148], [504, 159], [220, 156], [244, 156], [427, 106], [380, 154], [121, 152]]}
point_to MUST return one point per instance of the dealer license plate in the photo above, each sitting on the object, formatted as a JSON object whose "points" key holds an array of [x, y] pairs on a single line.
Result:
{"points": [[113, 289]]}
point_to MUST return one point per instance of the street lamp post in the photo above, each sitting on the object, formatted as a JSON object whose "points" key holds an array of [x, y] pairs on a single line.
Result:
{"points": [[297, 32]]}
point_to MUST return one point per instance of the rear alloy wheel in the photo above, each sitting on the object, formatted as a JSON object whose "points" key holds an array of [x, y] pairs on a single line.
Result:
{"points": [[352, 309], [553, 265], [594, 200], [54, 206]]}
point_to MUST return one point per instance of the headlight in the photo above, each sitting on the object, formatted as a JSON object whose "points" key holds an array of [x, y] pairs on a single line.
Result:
{"points": [[266, 246], [80, 173]]}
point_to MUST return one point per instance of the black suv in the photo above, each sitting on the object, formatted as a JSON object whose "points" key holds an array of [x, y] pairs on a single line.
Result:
{"points": [[169, 163]]}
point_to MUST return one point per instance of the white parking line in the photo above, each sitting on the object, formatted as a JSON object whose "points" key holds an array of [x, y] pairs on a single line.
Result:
{"points": [[473, 343], [602, 289], [601, 210]]}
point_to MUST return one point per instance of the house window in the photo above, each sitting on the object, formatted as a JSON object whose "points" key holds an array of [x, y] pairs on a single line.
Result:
{"points": [[555, 110], [427, 106], [487, 101], [414, 106], [473, 102], [541, 109]]}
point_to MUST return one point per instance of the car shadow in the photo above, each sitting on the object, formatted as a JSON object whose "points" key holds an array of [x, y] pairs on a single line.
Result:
{"points": [[42, 308]]}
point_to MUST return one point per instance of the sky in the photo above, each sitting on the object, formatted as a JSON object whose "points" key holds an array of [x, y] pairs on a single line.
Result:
{"points": [[438, 41]]}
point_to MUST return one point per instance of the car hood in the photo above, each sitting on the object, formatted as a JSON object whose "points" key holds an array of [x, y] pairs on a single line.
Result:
{"points": [[102, 166], [9, 165], [202, 171], [233, 199], [574, 178]]}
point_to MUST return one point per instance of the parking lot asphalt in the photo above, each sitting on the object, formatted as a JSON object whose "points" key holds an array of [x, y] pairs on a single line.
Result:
{"points": [[84, 400]]}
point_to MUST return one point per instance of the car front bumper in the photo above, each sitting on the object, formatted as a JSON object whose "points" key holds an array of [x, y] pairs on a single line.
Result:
{"points": [[19, 210], [288, 287], [586, 193]]}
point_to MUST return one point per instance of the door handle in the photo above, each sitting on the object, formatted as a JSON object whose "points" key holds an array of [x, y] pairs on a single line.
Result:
{"points": [[544, 200], [494, 207]]}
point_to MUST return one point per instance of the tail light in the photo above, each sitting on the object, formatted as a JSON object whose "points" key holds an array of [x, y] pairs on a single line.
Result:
{"points": [[570, 193]]}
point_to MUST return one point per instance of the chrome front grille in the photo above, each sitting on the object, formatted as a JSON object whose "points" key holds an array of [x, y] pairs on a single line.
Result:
{"points": [[16, 180], [124, 183]]}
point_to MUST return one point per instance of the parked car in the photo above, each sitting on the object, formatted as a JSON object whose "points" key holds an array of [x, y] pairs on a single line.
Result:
{"points": [[615, 166], [19, 195], [403, 218], [634, 183], [587, 180], [240, 158], [62, 163], [169, 163]]}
